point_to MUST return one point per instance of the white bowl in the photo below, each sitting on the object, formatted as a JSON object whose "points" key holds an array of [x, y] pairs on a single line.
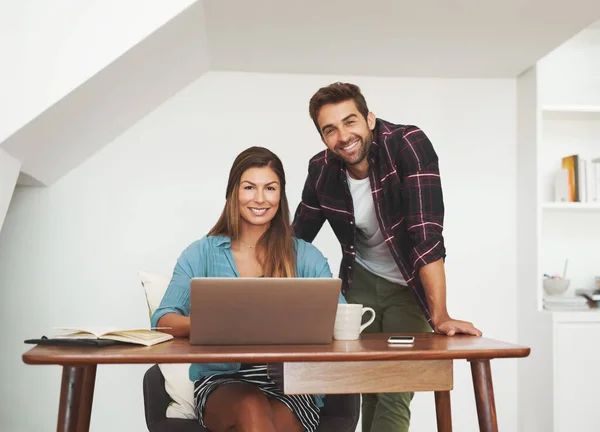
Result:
{"points": [[556, 286]]}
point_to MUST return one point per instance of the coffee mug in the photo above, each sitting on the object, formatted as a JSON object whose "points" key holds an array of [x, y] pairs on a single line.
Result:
{"points": [[348, 321]]}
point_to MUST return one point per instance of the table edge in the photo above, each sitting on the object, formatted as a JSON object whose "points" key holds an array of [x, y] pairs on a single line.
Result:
{"points": [[38, 359]]}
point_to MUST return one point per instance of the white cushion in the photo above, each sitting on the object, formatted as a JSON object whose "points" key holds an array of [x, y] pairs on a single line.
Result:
{"points": [[177, 381]]}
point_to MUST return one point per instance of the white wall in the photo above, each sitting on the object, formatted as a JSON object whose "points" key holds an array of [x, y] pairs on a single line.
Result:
{"points": [[534, 327], [50, 48], [569, 74], [9, 172], [69, 252]]}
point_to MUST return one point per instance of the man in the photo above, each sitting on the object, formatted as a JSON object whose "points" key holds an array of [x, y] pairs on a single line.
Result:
{"points": [[378, 185]]}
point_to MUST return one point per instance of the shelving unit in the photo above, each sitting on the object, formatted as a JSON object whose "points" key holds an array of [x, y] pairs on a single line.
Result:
{"points": [[568, 230], [563, 379]]}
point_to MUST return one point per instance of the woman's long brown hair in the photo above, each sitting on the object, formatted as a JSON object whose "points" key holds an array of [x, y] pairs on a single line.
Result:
{"points": [[275, 250]]}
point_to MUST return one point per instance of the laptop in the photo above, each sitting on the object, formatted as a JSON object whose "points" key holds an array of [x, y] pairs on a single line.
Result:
{"points": [[263, 311]]}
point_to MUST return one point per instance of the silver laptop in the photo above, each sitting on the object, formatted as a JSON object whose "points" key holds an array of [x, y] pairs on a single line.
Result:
{"points": [[263, 311]]}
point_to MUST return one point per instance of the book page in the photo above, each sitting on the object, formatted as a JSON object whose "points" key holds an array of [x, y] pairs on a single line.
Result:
{"points": [[147, 339], [75, 335], [143, 336], [138, 334], [91, 331], [100, 331]]}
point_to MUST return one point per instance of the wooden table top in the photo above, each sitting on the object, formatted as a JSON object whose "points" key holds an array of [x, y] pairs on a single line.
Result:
{"points": [[427, 346]]}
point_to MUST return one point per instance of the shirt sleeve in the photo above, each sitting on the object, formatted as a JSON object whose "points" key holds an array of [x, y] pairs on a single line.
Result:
{"points": [[312, 264], [309, 217], [422, 196], [177, 296]]}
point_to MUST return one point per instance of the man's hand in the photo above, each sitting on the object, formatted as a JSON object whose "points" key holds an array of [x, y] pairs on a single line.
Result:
{"points": [[450, 327]]}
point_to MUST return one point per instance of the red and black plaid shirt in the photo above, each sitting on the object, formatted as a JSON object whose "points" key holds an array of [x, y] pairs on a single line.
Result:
{"points": [[407, 193]]}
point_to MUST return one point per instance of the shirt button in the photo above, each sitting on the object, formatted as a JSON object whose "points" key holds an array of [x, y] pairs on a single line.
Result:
{"points": [[351, 247], [351, 223]]}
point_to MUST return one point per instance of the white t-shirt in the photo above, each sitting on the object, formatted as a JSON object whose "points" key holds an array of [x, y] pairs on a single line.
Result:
{"points": [[371, 250]]}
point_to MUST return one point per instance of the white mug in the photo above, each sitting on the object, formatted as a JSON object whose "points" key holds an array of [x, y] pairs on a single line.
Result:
{"points": [[348, 321]]}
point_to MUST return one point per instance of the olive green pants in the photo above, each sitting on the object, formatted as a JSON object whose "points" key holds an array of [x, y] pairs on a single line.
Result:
{"points": [[396, 312]]}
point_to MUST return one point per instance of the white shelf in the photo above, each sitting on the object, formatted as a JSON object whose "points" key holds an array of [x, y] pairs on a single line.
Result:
{"points": [[572, 108], [577, 206], [571, 112]]}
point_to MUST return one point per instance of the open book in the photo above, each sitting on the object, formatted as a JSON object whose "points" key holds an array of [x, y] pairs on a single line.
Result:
{"points": [[135, 336]]}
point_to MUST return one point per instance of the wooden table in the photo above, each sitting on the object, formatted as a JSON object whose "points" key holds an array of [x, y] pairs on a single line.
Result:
{"points": [[368, 365]]}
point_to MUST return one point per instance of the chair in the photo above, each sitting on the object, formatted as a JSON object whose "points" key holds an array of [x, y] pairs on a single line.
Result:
{"points": [[340, 413]]}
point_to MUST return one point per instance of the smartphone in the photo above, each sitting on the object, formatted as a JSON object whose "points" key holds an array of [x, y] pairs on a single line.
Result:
{"points": [[401, 340]]}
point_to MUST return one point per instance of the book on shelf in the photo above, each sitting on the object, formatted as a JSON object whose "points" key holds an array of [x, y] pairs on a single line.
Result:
{"points": [[594, 180], [578, 180], [145, 337]]}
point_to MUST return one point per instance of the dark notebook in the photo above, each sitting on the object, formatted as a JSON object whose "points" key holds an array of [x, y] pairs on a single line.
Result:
{"points": [[75, 342]]}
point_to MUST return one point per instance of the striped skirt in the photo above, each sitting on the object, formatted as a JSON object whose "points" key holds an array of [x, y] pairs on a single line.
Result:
{"points": [[303, 406]]}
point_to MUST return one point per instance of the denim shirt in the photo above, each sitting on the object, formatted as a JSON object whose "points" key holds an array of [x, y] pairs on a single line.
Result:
{"points": [[211, 256]]}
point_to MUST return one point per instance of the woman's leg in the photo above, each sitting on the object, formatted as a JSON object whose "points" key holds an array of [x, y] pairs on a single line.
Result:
{"points": [[238, 407], [243, 407], [283, 417]]}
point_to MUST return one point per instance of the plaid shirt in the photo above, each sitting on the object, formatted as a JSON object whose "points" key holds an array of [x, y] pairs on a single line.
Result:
{"points": [[407, 193]]}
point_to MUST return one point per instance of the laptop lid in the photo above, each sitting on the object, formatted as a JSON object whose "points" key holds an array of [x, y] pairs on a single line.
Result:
{"points": [[265, 311]]}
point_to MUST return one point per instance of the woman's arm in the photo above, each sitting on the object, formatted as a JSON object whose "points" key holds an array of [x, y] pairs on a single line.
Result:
{"points": [[179, 324], [174, 309], [312, 264]]}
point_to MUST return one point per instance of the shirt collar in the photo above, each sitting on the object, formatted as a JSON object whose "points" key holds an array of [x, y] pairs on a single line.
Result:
{"points": [[375, 141], [223, 241]]}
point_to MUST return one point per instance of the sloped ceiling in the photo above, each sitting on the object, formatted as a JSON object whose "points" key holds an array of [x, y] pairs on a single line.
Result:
{"points": [[433, 38], [102, 108], [425, 38]]}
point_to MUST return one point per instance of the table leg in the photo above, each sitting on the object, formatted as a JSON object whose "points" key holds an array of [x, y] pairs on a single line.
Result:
{"points": [[76, 395], [484, 395], [70, 396], [443, 411], [86, 398]]}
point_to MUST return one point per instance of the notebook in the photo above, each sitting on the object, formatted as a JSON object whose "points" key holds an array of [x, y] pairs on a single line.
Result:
{"points": [[145, 337]]}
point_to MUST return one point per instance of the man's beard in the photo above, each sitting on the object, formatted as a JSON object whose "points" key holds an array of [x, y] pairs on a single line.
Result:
{"points": [[363, 149]]}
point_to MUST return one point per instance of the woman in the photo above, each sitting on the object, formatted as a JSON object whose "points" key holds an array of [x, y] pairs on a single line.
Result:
{"points": [[252, 238]]}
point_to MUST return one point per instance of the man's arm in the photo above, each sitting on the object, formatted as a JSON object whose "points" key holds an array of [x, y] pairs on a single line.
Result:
{"points": [[433, 278], [309, 217], [422, 194]]}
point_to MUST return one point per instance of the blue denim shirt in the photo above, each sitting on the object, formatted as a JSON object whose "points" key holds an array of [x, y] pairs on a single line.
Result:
{"points": [[211, 256]]}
